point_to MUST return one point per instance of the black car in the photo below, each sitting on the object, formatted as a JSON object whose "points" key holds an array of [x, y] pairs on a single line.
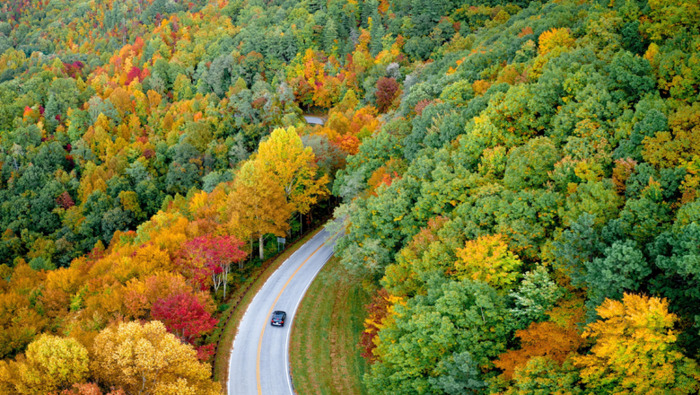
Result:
{"points": [[278, 318]]}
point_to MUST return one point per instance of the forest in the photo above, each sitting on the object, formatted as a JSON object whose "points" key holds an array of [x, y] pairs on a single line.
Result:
{"points": [[518, 182]]}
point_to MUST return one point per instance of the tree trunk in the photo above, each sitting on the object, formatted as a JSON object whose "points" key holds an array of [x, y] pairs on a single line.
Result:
{"points": [[227, 268], [252, 244], [261, 248]]}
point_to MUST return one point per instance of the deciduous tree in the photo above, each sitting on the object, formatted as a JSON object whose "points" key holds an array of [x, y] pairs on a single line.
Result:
{"points": [[285, 159], [146, 359], [488, 259], [52, 364], [258, 205], [184, 315], [635, 351], [217, 254]]}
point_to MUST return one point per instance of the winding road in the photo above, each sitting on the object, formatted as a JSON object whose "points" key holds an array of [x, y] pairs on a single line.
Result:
{"points": [[314, 120], [259, 362]]}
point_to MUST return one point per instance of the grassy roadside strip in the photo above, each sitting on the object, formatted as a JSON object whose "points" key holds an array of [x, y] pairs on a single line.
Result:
{"points": [[324, 353], [244, 294]]}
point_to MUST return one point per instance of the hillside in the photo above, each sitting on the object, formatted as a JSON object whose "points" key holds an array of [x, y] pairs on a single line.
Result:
{"points": [[519, 178]]}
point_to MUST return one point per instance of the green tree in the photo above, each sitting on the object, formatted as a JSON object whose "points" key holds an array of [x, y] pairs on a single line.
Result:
{"points": [[458, 322], [536, 294], [623, 268], [677, 253], [330, 36], [528, 166]]}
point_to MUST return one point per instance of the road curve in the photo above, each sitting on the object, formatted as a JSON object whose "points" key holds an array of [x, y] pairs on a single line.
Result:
{"points": [[314, 120], [259, 362]]}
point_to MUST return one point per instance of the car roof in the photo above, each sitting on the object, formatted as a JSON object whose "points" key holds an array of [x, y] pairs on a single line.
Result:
{"points": [[279, 312]]}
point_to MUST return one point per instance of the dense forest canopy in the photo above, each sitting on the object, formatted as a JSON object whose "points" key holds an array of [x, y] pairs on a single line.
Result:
{"points": [[519, 181]]}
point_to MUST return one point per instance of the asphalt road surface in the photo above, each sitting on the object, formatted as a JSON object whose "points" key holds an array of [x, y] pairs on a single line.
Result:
{"points": [[314, 120], [259, 361]]}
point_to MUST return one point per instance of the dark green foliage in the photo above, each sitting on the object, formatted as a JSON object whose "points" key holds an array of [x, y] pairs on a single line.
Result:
{"points": [[649, 119], [631, 75], [677, 255], [623, 269], [632, 40], [436, 126]]}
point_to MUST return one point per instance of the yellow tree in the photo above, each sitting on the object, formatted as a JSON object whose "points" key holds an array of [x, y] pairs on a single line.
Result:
{"points": [[488, 259], [257, 205], [146, 359], [292, 166], [554, 38], [52, 363], [634, 352]]}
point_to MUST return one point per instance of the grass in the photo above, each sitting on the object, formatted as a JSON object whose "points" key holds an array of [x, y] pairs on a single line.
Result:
{"points": [[245, 293], [325, 356]]}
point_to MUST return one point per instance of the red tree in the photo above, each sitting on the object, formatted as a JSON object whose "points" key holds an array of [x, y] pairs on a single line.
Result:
{"points": [[183, 315], [65, 201], [134, 73], [386, 92], [212, 256]]}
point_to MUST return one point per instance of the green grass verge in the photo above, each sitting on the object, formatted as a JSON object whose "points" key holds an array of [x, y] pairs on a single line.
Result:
{"points": [[258, 278], [324, 353]]}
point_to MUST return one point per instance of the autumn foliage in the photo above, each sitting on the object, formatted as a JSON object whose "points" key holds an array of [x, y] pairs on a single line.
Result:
{"points": [[634, 349], [540, 339], [183, 315], [387, 89], [502, 167], [488, 259], [379, 311]]}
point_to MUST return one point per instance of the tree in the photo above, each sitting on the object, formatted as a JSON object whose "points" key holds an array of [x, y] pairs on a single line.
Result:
{"points": [[52, 363], [387, 89], [487, 259], [217, 254], [441, 341], [555, 38], [184, 315], [635, 351], [292, 166], [577, 246], [257, 205], [141, 293], [677, 255], [670, 18], [379, 313], [623, 269], [528, 165], [540, 339], [536, 294], [146, 359], [407, 275], [543, 375], [330, 36]]}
